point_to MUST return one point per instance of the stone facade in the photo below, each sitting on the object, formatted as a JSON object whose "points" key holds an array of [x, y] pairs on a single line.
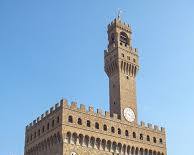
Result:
{"points": [[70, 130]]}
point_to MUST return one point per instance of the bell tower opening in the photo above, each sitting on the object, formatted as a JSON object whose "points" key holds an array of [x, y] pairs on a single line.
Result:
{"points": [[121, 66], [124, 39]]}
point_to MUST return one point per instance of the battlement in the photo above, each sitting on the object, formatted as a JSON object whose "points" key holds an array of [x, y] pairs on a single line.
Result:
{"points": [[43, 116], [118, 23], [90, 111]]}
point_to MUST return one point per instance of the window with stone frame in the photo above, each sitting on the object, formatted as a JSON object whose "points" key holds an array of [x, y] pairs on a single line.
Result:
{"points": [[97, 125], [88, 123], [105, 127], [79, 121], [70, 119]]}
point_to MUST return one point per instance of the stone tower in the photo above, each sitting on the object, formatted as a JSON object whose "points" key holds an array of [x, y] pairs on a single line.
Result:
{"points": [[121, 66], [68, 129]]}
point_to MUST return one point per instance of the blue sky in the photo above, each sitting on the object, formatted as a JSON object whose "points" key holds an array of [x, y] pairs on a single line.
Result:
{"points": [[53, 49]]}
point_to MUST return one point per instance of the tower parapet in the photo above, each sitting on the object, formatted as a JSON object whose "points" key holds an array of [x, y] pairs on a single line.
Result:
{"points": [[90, 111]]}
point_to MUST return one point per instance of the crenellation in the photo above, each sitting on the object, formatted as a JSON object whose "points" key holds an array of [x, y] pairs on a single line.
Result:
{"points": [[38, 119], [91, 110], [82, 108], [51, 109], [105, 52], [149, 125], [163, 129], [47, 113], [34, 122], [156, 128], [142, 124], [115, 116], [27, 127], [64, 103], [100, 112], [107, 114], [73, 105], [57, 106], [42, 116]]}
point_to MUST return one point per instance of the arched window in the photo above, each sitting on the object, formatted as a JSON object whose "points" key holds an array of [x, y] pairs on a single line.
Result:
{"points": [[97, 125], [141, 136], [86, 140], [70, 119], [134, 135], [154, 139], [112, 129], [92, 142], [126, 133], [119, 131], [88, 123], [148, 138], [160, 140], [103, 144], [105, 127], [124, 38], [79, 121]]}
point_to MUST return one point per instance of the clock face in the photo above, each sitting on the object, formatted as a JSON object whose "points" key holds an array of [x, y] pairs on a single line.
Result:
{"points": [[129, 114]]}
